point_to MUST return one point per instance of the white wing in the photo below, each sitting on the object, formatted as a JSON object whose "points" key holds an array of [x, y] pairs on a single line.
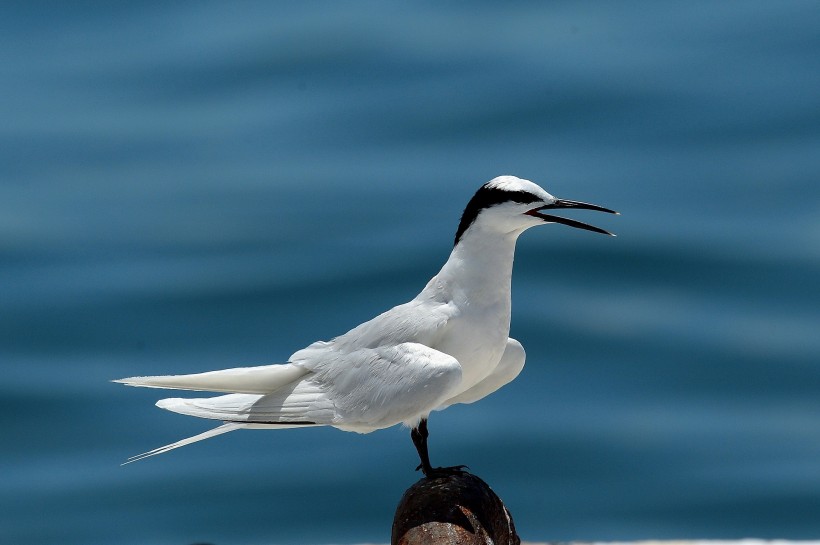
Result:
{"points": [[362, 390], [248, 380], [373, 388], [298, 404], [370, 378]]}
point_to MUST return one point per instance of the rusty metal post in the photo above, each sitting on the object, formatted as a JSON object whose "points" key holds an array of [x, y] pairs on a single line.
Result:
{"points": [[458, 509]]}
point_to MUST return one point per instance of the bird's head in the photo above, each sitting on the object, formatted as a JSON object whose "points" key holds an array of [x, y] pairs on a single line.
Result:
{"points": [[510, 205]]}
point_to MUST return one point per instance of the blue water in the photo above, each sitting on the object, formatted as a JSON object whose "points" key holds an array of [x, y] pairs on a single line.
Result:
{"points": [[192, 186]]}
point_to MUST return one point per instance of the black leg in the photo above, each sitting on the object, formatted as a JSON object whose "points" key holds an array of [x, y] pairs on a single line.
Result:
{"points": [[419, 436]]}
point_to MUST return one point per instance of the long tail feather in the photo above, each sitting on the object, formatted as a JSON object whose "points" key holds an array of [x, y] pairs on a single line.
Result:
{"points": [[224, 428], [263, 379]]}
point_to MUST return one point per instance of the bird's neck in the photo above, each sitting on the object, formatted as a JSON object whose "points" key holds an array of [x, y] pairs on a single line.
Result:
{"points": [[478, 272]]}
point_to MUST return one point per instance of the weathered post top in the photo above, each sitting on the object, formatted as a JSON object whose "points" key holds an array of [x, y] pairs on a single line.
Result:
{"points": [[458, 508]]}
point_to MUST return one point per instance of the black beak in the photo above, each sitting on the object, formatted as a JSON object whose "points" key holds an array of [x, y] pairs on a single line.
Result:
{"points": [[561, 203]]}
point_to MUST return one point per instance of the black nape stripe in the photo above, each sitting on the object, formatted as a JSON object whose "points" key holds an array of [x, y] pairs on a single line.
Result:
{"points": [[486, 197]]}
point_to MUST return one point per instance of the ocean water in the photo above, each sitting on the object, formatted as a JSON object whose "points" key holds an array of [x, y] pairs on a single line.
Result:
{"points": [[198, 185]]}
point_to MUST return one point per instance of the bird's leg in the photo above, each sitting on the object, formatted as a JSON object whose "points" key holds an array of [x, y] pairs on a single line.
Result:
{"points": [[419, 436]]}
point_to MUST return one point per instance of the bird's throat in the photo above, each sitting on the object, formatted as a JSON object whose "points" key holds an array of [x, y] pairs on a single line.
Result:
{"points": [[479, 272]]}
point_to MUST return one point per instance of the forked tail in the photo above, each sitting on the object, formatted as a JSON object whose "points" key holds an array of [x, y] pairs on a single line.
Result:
{"points": [[224, 428]]}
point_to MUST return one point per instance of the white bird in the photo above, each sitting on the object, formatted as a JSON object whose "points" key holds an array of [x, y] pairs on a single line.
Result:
{"points": [[450, 344]]}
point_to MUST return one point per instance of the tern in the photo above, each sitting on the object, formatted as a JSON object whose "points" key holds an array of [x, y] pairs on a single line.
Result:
{"points": [[449, 345]]}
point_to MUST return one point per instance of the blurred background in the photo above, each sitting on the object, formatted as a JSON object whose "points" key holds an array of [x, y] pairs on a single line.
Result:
{"points": [[189, 186]]}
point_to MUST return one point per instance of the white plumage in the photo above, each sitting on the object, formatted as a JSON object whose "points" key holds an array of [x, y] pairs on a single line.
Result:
{"points": [[450, 344]]}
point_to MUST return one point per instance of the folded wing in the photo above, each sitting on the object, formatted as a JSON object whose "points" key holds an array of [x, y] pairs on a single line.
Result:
{"points": [[246, 380], [357, 390]]}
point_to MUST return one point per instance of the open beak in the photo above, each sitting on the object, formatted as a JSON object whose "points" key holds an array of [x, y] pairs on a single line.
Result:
{"points": [[561, 203]]}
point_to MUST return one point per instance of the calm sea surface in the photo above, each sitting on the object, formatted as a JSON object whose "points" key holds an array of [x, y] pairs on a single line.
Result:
{"points": [[192, 186]]}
